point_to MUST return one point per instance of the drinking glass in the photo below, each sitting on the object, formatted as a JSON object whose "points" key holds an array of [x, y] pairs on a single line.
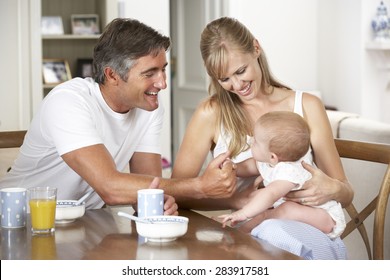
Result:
{"points": [[43, 209]]}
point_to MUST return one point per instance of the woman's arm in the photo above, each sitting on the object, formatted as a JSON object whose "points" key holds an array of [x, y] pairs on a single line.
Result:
{"points": [[201, 134], [329, 181], [197, 142]]}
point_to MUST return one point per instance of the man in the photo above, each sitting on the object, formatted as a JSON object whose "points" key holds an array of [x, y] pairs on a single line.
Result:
{"points": [[87, 130]]}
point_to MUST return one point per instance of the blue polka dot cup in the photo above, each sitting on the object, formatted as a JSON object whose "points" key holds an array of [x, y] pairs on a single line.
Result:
{"points": [[13, 207], [150, 202]]}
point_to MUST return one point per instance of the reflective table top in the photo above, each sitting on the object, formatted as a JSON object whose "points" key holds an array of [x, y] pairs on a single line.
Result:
{"points": [[103, 235]]}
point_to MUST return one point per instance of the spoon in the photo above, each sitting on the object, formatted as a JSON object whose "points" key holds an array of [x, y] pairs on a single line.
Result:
{"points": [[84, 197], [134, 218]]}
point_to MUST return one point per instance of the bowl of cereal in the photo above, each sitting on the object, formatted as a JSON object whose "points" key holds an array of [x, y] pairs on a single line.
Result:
{"points": [[68, 211]]}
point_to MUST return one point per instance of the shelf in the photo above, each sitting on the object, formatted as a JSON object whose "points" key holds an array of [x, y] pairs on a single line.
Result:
{"points": [[378, 45], [68, 46], [70, 36]]}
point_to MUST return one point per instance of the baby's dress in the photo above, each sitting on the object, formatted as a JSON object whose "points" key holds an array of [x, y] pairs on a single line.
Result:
{"points": [[295, 173]]}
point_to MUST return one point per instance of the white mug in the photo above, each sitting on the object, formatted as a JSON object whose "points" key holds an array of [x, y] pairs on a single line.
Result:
{"points": [[13, 207], [150, 202]]}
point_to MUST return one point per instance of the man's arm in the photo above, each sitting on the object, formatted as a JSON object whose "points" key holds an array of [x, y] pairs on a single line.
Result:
{"points": [[96, 166], [146, 163]]}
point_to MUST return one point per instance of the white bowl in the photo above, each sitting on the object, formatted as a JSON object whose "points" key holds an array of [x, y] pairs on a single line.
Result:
{"points": [[162, 228], [67, 211]]}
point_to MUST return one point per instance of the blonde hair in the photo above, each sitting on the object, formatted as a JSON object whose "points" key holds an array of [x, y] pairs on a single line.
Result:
{"points": [[217, 39], [287, 133]]}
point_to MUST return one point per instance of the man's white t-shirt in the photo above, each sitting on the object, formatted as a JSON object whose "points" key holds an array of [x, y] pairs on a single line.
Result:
{"points": [[74, 115]]}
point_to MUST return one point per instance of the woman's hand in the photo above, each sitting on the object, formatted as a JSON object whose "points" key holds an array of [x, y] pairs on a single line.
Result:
{"points": [[316, 191], [170, 205]]}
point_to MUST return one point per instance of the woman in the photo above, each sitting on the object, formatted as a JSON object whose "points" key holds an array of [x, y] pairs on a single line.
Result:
{"points": [[242, 89]]}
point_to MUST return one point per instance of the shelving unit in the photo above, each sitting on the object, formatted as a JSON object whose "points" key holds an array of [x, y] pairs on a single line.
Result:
{"points": [[69, 46]]}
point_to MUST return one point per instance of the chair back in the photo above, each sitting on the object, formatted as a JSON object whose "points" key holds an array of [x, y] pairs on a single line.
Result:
{"points": [[10, 141], [370, 152]]}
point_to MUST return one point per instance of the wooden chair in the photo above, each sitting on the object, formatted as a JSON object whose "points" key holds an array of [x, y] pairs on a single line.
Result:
{"points": [[10, 139], [379, 153]]}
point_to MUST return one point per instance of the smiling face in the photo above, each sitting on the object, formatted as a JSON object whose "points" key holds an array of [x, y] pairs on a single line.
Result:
{"points": [[243, 74], [145, 80]]}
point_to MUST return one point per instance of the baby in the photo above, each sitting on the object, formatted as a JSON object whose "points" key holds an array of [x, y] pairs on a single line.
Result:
{"points": [[280, 143]]}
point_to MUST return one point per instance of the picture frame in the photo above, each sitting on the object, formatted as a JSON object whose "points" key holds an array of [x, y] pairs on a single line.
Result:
{"points": [[52, 25], [84, 67], [55, 71], [85, 24]]}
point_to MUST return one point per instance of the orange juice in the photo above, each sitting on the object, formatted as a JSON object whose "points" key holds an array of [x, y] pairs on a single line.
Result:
{"points": [[43, 212]]}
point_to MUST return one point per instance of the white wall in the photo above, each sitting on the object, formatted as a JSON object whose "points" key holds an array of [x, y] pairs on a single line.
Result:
{"points": [[9, 70], [340, 48], [287, 31], [375, 87], [351, 77], [321, 45], [154, 13], [14, 70]]}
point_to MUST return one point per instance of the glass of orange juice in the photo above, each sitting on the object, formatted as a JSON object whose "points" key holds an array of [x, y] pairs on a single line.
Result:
{"points": [[42, 201]]}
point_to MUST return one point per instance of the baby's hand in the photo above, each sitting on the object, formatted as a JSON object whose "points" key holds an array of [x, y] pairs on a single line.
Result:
{"points": [[234, 218], [225, 218]]}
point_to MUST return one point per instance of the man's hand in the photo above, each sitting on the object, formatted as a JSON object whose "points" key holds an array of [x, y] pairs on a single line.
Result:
{"points": [[219, 178]]}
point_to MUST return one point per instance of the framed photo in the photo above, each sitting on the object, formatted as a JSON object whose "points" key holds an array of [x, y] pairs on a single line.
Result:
{"points": [[84, 67], [85, 24], [55, 71], [52, 25]]}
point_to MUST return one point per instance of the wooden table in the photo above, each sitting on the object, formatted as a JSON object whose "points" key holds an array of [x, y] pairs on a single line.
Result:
{"points": [[101, 234]]}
